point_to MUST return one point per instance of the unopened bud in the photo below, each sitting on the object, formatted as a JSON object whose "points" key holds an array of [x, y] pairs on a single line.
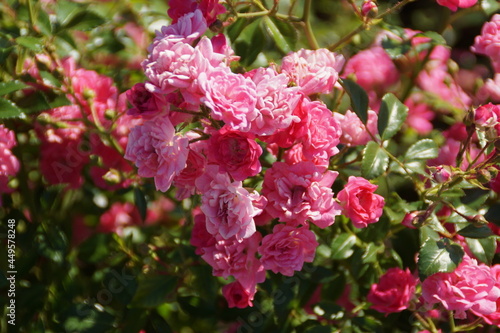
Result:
{"points": [[369, 9], [112, 177], [484, 176], [412, 219], [441, 174], [477, 220]]}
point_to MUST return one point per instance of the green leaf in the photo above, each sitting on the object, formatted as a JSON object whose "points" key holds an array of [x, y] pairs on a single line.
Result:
{"points": [[277, 35], [11, 86], [250, 43], [140, 202], [490, 6], [50, 79], [359, 98], [375, 161], [342, 246], [9, 109], [483, 249], [153, 290], [391, 117], [422, 150], [441, 256], [434, 36], [29, 42], [473, 231], [44, 24], [84, 20], [396, 48], [371, 251]]}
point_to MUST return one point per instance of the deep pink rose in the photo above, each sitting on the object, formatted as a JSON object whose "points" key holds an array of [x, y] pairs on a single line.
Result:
{"points": [[287, 248], [9, 164], [455, 4], [185, 180], [420, 115], [393, 292], [488, 116], [237, 296], [300, 193], [118, 217], [314, 71], [471, 286], [200, 237], [360, 203], [209, 8], [144, 102], [235, 152]]}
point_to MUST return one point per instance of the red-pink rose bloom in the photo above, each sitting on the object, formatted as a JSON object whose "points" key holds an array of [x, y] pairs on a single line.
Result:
{"points": [[237, 296], [275, 101], [185, 180], [118, 217], [488, 42], [488, 116], [300, 193], [455, 4], [314, 71], [209, 8], [9, 164], [471, 286], [353, 130], [231, 97], [144, 102], [360, 203], [200, 237], [372, 78], [227, 205], [236, 153], [157, 151], [287, 248], [393, 292]]}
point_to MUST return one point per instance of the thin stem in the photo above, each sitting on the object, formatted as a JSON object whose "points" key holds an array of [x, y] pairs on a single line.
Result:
{"points": [[306, 18]]}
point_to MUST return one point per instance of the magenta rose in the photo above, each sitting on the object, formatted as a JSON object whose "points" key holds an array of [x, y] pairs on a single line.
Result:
{"points": [[287, 248], [393, 292], [360, 203], [237, 296]]}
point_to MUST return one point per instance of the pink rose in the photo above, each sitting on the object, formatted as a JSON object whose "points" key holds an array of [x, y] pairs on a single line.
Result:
{"points": [[235, 152], [314, 71], [118, 217], [287, 248], [144, 102], [231, 97], [209, 8], [237, 296], [455, 4], [300, 193], [185, 180], [227, 205], [420, 115], [393, 292], [360, 203], [200, 237], [9, 164], [157, 151], [471, 286], [353, 130], [487, 116], [186, 30], [494, 318]]}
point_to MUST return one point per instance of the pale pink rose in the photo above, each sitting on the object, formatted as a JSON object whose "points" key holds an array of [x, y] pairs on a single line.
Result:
{"points": [[287, 248], [393, 292], [227, 205], [494, 318], [353, 130], [177, 67], [119, 216], [275, 101], [323, 131], [237, 258], [488, 43], [419, 115], [471, 286], [490, 90], [360, 203], [237, 296], [313, 71], [236, 153], [209, 8], [231, 97], [186, 30], [372, 78], [300, 193], [9, 164], [157, 151]]}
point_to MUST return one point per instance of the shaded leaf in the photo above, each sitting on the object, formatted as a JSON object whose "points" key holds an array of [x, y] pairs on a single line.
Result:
{"points": [[483, 249], [490, 6], [441, 256], [84, 20], [342, 246], [277, 35], [29, 42], [391, 117], [375, 161], [473, 231], [11, 86], [250, 43], [140, 202], [9, 109], [153, 290], [359, 98]]}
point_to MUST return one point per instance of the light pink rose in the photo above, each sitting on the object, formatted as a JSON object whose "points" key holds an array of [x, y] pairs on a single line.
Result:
{"points": [[157, 151], [490, 90], [237, 296], [300, 193], [119, 216], [227, 205], [275, 101], [231, 97], [360, 203], [372, 78], [393, 292], [186, 30], [353, 130], [287, 248], [494, 318], [455, 4], [471, 286], [236, 153], [314, 71]]}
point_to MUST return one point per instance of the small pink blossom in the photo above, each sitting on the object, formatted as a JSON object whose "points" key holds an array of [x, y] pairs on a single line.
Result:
{"points": [[119, 216], [157, 151], [360, 203], [237, 296], [300, 193], [287, 248], [353, 130], [420, 115], [9, 164], [471, 286], [236, 153], [227, 205], [314, 71], [455, 4], [393, 292]]}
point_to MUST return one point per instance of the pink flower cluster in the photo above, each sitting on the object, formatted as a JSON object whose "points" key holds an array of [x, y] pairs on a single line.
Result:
{"points": [[204, 129], [9, 164], [488, 43]]}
